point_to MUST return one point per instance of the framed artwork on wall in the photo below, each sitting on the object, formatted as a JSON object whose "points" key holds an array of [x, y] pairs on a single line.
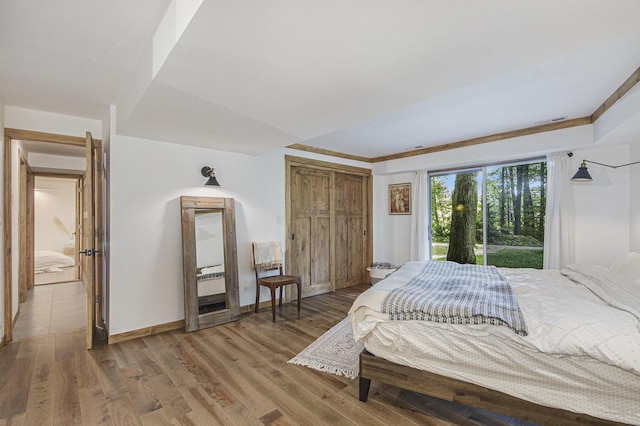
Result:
{"points": [[400, 198]]}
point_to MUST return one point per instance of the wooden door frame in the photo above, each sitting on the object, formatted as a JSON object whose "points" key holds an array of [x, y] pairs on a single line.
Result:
{"points": [[92, 236], [6, 216], [26, 135], [293, 161], [25, 227]]}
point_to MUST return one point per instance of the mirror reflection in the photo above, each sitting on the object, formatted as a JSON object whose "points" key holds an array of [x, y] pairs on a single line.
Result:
{"points": [[210, 261], [210, 271]]}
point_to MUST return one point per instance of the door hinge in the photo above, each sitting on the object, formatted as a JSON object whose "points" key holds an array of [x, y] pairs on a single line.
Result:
{"points": [[293, 236], [97, 298]]}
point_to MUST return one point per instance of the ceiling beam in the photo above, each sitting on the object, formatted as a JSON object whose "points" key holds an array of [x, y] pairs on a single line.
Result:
{"points": [[624, 88], [308, 148], [549, 127], [633, 79]]}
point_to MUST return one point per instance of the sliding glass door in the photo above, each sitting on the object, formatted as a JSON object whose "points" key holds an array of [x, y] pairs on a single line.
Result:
{"points": [[490, 216]]}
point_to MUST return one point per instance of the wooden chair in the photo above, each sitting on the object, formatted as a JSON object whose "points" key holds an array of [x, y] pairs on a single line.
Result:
{"points": [[273, 281]]}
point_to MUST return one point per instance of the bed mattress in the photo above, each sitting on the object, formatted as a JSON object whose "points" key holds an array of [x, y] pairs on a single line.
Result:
{"points": [[210, 286], [556, 364]]}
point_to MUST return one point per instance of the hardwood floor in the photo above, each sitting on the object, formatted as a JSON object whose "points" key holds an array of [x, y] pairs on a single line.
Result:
{"points": [[232, 374]]}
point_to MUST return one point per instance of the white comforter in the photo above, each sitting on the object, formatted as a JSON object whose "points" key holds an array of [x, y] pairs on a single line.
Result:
{"points": [[563, 317]]}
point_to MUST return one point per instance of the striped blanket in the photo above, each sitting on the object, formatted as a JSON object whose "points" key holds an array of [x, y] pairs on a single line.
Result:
{"points": [[209, 272], [210, 275], [451, 293]]}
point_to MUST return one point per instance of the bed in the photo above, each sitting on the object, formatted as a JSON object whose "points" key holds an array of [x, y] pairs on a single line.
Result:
{"points": [[211, 287], [577, 360], [46, 261]]}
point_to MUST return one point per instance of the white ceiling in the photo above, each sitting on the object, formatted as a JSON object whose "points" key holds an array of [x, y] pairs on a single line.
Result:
{"points": [[54, 149], [366, 78]]}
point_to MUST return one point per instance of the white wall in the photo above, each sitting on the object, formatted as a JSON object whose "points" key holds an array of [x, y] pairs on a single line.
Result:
{"points": [[634, 198], [147, 180], [55, 204], [602, 221], [48, 122], [391, 233], [48, 161]]}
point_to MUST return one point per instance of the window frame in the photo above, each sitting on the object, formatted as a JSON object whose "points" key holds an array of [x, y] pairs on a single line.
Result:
{"points": [[472, 169]]}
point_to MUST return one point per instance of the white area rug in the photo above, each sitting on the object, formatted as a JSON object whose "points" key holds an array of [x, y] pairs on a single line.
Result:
{"points": [[335, 352]]}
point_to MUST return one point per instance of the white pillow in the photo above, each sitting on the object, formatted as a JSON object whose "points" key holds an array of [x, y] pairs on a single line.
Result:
{"points": [[628, 266]]}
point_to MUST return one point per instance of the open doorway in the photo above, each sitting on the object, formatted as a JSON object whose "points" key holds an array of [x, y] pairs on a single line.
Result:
{"points": [[55, 223], [55, 297], [59, 156]]}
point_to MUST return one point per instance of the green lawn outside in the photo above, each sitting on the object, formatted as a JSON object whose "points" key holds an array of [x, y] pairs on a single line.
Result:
{"points": [[508, 258], [516, 258], [439, 250]]}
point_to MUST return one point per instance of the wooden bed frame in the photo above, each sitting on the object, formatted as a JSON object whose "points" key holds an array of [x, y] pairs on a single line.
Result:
{"points": [[374, 368]]}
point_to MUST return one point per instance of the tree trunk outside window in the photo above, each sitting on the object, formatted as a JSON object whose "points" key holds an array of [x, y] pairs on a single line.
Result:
{"points": [[463, 219]]}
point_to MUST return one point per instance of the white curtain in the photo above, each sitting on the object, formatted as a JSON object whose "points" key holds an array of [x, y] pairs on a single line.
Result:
{"points": [[420, 247], [559, 229]]}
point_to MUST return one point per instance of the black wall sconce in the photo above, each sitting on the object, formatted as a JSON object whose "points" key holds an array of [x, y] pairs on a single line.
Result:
{"points": [[208, 172], [582, 175]]}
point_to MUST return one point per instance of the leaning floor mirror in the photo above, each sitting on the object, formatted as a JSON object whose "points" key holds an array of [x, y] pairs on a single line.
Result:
{"points": [[211, 294]]}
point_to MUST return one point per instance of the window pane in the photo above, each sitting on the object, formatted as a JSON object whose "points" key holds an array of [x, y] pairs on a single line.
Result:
{"points": [[456, 217], [515, 215], [514, 212]]}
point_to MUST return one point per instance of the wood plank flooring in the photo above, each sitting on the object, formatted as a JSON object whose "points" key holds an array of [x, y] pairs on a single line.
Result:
{"points": [[233, 374]]}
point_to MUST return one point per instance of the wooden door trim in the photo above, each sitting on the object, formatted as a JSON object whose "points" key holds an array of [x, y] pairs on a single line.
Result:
{"points": [[98, 241], [332, 230], [23, 227], [293, 161], [369, 226], [26, 226], [64, 175], [31, 231], [7, 217], [30, 135], [9, 136]]}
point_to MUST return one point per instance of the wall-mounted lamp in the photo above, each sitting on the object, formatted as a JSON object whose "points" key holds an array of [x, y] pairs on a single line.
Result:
{"points": [[582, 175], [208, 172]]}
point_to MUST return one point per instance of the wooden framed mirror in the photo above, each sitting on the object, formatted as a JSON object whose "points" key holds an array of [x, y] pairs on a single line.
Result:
{"points": [[211, 294]]}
